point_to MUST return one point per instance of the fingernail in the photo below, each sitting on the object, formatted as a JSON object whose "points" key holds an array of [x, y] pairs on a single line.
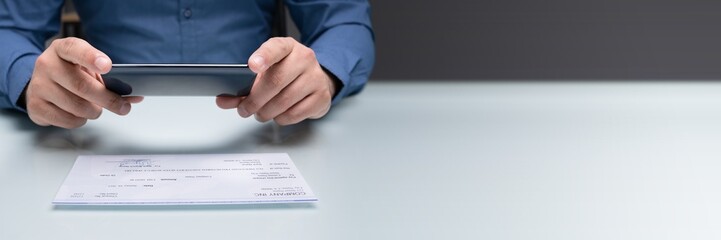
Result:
{"points": [[258, 60], [242, 112], [102, 63], [125, 109]]}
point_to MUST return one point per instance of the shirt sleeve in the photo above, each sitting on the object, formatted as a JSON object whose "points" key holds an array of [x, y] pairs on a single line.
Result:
{"points": [[341, 35], [25, 25]]}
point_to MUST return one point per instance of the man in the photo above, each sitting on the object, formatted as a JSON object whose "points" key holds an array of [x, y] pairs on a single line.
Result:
{"points": [[62, 85]]}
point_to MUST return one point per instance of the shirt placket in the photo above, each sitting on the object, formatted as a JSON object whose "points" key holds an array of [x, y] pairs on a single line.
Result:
{"points": [[187, 14]]}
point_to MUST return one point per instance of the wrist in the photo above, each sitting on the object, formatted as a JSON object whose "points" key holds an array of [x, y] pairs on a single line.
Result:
{"points": [[22, 102], [335, 83]]}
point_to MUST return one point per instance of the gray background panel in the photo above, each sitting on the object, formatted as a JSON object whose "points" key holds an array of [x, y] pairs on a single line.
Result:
{"points": [[555, 39]]}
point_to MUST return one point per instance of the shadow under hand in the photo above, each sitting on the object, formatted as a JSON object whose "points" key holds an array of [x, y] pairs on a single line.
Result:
{"points": [[92, 139], [52, 137]]}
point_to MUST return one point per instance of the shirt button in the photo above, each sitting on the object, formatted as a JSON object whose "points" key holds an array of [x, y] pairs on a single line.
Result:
{"points": [[187, 13]]}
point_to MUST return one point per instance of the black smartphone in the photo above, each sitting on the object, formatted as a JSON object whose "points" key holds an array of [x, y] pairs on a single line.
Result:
{"points": [[179, 79]]}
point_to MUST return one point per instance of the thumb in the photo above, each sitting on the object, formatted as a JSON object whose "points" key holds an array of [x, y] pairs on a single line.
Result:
{"points": [[257, 64], [80, 52]]}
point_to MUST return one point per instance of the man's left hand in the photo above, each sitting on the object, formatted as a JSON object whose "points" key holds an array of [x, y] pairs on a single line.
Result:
{"points": [[290, 85]]}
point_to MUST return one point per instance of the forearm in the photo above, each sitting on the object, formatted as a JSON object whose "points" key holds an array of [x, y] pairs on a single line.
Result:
{"points": [[340, 34], [24, 28], [16, 66], [346, 51]]}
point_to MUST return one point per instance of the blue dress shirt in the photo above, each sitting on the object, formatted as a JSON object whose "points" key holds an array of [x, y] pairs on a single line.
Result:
{"points": [[187, 31]]}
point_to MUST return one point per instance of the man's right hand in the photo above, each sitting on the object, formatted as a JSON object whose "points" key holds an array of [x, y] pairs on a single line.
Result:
{"points": [[66, 88]]}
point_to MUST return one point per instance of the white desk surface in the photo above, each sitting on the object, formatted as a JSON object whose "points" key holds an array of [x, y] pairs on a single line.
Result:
{"points": [[408, 160]]}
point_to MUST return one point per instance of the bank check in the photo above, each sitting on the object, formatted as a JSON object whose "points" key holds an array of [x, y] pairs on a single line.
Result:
{"points": [[183, 180]]}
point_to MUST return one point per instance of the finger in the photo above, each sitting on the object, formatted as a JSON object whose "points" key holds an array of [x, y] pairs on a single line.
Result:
{"points": [[275, 79], [306, 108], [228, 102], [129, 99], [80, 52], [134, 99], [71, 103], [292, 94], [270, 52], [89, 88], [53, 115]]}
